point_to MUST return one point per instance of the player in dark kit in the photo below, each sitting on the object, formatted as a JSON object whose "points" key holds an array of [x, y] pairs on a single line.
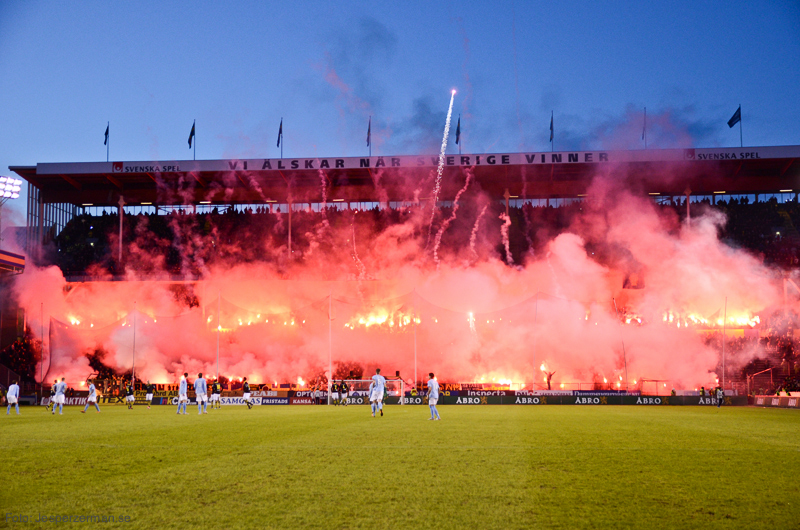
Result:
{"points": [[149, 387], [246, 391], [335, 393], [344, 392], [216, 389], [52, 396], [129, 397]]}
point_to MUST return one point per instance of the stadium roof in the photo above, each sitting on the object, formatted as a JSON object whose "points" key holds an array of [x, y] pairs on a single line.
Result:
{"points": [[11, 263], [547, 174]]}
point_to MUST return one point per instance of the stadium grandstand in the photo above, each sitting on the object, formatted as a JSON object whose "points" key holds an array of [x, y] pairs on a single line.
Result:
{"points": [[73, 210], [60, 192]]}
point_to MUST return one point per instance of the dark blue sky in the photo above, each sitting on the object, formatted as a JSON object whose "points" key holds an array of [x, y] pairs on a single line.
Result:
{"points": [[150, 68]]}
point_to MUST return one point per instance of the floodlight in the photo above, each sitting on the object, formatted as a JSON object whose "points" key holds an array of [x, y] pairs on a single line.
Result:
{"points": [[9, 188]]}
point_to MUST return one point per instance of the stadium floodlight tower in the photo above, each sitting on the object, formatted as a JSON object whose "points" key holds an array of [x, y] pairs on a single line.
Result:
{"points": [[9, 189]]}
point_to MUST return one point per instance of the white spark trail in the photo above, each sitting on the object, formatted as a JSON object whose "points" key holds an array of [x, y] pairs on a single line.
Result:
{"points": [[450, 219], [440, 169], [504, 232], [474, 235], [324, 208], [362, 270]]}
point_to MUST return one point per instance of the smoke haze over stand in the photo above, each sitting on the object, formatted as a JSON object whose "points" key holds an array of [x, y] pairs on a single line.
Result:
{"points": [[577, 273]]}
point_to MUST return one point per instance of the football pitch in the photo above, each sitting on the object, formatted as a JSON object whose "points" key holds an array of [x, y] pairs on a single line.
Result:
{"points": [[335, 467]]}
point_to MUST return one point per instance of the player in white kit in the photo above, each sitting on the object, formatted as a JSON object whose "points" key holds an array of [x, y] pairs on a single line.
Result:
{"points": [[13, 398], [433, 396], [61, 388], [92, 399], [201, 391], [376, 390], [183, 393]]}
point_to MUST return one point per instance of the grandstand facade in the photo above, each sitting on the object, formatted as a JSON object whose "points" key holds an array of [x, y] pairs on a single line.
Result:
{"points": [[57, 192]]}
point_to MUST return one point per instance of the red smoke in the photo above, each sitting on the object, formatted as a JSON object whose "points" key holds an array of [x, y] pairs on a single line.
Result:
{"points": [[479, 317]]}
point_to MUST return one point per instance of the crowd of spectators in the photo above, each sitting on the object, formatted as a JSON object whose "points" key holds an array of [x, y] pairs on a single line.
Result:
{"points": [[790, 384], [22, 356], [765, 228], [185, 242]]}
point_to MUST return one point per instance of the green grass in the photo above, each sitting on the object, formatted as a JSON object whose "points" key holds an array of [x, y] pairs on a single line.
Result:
{"points": [[480, 467]]}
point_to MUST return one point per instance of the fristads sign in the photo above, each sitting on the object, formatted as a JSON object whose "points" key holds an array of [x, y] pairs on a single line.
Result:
{"points": [[388, 162]]}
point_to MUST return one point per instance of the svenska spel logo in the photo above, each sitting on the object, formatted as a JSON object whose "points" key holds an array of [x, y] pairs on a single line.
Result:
{"points": [[688, 154], [117, 167]]}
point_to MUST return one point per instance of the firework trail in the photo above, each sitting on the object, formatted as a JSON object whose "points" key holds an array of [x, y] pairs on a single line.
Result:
{"points": [[474, 236], [438, 186], [362, 270], [504, 232], [450, 219], [324, 207]]}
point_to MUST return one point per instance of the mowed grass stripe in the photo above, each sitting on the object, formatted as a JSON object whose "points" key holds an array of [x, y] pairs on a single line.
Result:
{"points": [[480, 467]]}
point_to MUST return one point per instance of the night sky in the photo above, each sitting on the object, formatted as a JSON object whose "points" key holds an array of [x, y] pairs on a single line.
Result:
{"points": [[68, 68]]}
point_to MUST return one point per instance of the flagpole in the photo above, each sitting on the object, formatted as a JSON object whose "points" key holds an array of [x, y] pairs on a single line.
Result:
{"points": [[414, 304], [121, 212], [192, 138], [741, 142], [133, 364], [724, 318], [622, 340], [330, 343], [644, 131], [552, 134], [219, 327], [369, 136], [459, 135], [535, 322], [108, 140], [41, 355]]}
